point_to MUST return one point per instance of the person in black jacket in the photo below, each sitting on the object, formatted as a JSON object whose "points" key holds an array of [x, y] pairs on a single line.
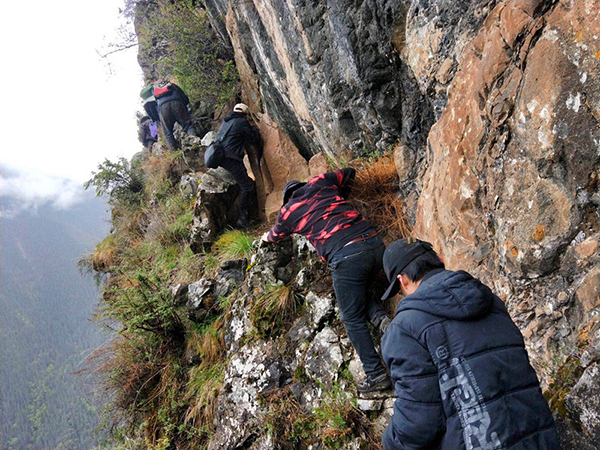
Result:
{"points": [[239, 134], [458, 362], [172, 108]]}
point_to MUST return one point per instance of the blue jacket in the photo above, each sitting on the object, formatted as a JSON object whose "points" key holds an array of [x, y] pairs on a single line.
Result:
{"points": [[461, 373]]}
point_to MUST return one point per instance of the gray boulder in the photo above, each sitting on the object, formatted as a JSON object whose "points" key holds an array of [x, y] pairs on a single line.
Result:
{"points": [[199, 299], [216, 207]]}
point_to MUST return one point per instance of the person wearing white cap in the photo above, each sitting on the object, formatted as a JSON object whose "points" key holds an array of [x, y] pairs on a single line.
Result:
{"points": [[235, 133]]}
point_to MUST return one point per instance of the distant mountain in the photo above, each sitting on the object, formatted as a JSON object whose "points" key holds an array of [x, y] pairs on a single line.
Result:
{"points": [[46, 326]]}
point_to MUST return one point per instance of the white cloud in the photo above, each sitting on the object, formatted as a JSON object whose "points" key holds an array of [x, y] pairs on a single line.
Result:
{"points": [[31, 190], [62, 111]]}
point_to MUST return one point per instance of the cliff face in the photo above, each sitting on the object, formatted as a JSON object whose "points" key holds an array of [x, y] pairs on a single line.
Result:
{"points": [[492, 109], [496, 107], [329, 73]]}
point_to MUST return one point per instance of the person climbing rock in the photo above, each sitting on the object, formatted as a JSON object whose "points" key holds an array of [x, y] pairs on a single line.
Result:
{"points": [[149, 102], [237, 133], [172, 108], [353, 250], [148, 132], [458, 362]]}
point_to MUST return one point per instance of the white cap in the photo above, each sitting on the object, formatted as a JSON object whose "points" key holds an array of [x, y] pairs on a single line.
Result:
{"points": [[241, 108]]}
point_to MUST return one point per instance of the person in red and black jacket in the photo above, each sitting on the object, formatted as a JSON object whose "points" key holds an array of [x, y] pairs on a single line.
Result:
{"points": [[353, 251]]}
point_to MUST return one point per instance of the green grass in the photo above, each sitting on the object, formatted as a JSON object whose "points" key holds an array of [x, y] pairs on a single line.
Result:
{"points": [[233, 244]]}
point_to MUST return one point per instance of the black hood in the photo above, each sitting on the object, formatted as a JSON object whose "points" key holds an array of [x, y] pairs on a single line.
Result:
{"points": [[454, 295], [234, 115]]}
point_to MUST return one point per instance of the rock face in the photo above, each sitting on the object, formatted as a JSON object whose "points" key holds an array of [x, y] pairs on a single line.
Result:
{"points": [[328, 72], [511, 189], [216, 207], [304, 361], [493, 110]]}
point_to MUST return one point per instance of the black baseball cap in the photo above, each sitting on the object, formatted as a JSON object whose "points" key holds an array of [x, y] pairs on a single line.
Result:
{"points": [[397, 256]]}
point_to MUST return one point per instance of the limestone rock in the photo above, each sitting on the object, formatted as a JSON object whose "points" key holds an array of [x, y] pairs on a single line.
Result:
{"points": [[198, 299], [208, 138], [583, 402], [318, 164], [324, 357], [231, 274], [188, 186], [588, 293], [328, 73], [318, 308], [252, 370], [369, 405], [284, 163], [216, 207], [179, 293]]}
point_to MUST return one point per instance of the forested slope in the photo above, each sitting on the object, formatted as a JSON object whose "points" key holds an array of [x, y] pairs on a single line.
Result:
{"points": [[46, 309]]}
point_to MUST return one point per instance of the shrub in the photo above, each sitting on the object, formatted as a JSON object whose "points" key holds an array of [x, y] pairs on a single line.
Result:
{"points": [[338, 420], [179, 39], [119, 180]]}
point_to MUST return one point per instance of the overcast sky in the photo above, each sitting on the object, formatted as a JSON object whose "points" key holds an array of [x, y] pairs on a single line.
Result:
{"points": [[62, 110]]}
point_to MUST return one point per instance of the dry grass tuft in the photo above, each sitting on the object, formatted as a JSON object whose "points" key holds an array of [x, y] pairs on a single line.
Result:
{"points": [[205, 383], [375, 196], [273, 309], [290, 425]]}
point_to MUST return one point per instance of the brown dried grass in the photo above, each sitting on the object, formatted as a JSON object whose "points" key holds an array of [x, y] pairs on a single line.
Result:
{"points": [[375, 196]]}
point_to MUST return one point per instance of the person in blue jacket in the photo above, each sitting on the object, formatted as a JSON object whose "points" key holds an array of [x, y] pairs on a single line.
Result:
{"points": [[458, 363]]}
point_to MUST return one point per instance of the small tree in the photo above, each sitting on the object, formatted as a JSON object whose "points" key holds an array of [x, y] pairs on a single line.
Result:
{"points": [[119, 180]]}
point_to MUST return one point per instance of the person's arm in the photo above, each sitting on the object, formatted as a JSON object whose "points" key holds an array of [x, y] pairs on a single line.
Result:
{"points": [[343, 179], [250, 133], [418, 419], [279, 231]]}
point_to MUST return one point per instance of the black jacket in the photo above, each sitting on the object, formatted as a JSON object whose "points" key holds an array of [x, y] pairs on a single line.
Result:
{"points": [[461, 372], [240, 133], [175, 94]]}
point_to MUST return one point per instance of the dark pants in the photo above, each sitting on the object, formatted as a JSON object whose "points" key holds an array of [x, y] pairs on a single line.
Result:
{"points": [[353, 269], [237, 169], [173, 112]]}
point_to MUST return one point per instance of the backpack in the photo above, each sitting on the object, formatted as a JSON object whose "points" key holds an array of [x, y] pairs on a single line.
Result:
{"points": [[162, 89], [147, 92], [153, 129], [215, 153]]}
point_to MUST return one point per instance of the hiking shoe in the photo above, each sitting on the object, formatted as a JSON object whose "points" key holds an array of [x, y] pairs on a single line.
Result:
{"points": [[384, 324], [377, 383]]}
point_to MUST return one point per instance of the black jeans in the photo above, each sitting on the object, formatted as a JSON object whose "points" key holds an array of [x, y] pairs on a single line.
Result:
{"points": [[171, 113], [353, 269], [238, 171]]}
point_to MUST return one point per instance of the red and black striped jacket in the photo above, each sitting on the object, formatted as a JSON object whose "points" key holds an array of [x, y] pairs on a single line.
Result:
{"points": [[319, 211]]}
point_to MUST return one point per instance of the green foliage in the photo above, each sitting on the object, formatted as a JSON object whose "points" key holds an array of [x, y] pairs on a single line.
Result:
{"points": [[194, 54], [564, 377], [233, 244], [141, 304], [290, 426], [121, 180], [338, 420]]}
